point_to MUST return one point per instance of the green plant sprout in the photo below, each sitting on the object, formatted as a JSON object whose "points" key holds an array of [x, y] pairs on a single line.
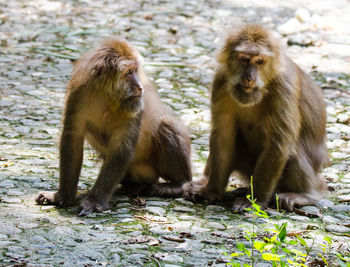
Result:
{"points": [[274, 246]]}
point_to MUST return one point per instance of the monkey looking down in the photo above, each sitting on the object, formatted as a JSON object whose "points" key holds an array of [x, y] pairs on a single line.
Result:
{"points": [[111, 104], [268, 123]]}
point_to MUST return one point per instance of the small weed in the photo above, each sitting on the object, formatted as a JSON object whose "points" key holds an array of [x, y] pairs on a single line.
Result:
{"points": [[274, 247]]}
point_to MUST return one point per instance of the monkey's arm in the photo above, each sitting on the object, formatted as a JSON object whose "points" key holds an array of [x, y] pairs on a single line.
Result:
{"points": [[112, 172], [71, 155], [222, 142]]}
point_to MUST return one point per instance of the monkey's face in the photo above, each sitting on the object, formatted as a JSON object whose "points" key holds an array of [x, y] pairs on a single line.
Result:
{"points": [[246, 78], [129, 90]]}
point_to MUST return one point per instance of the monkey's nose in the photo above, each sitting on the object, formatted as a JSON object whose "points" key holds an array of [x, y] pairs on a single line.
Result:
{"points": [[249, 82]]}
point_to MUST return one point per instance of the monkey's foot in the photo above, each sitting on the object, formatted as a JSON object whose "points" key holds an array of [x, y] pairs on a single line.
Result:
{"points": [[89, 205], [240, 204], [289, 201], [46, 198], [195, 192]]}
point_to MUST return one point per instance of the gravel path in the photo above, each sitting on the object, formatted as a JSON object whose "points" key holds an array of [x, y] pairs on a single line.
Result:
{"points": [[178, 40]]}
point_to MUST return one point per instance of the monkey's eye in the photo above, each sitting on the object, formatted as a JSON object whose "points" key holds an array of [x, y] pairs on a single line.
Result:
{"points": [[259, 61], [244, 59], [129, 72]]}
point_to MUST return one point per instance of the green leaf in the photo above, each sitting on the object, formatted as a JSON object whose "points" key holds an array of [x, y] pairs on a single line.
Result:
{"points": [[235, 255], [301, 241], [328, 239], [259, 245], [270, 257], [241, 246], [286, 250], [324, 259], [283, 232]]}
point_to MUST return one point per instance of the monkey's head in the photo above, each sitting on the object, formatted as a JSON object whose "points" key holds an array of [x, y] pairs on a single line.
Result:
{"points": [[116, 68], [249, 60]]}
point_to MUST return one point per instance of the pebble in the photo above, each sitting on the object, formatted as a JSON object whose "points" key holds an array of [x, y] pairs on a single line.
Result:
{"points": [[186, 217], [312, 210], [24, 225], [299, 218], [337, 228], [9, 230], [184, 209], [303, 15], [116, 259], [215, 208], [216, 225], [7, 184], [330, 219], [341, 208], [38, 239], [157, 203], [11, 200], [180, 226], [156, 210], [325, 203], [289, 27], [184, 202], [198, 229]]}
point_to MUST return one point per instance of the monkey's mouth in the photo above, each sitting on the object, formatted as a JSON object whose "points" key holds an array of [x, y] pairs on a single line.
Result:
{"points": [[135, 98], [246, 89]]}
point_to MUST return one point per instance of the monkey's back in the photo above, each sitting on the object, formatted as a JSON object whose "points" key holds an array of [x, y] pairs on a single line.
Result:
{"points": [[313, 114]]}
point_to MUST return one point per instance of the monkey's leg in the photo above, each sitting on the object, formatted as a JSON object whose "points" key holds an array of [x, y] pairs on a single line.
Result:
{"points": [[173, 163], [267, 173], [300, 185], [140, 178], [71, 156]]}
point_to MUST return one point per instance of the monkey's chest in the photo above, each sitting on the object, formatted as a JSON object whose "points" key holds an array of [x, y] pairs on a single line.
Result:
{"points": [[253, 137], [103, 139]]}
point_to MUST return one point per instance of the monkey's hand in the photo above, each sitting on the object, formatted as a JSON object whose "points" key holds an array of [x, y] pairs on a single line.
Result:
{"points": [[48, 198], [89, 205]]}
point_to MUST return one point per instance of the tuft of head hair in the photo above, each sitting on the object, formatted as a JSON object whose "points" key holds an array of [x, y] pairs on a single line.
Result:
{"points": [[251, 38], [113, 55]]}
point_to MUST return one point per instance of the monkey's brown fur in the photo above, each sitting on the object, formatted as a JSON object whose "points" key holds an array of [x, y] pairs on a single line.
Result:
{"points": [[268, 122], [112, 105]]}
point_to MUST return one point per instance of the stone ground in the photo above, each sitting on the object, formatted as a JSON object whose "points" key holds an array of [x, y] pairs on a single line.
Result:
{"points": [[178, 40]]}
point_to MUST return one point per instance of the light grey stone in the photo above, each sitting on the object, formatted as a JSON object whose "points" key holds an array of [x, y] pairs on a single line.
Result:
{"points": [[215, 208], [156, 210], [184, 209], [330, 219], [9, 230], [337, 228], [341, 208]]}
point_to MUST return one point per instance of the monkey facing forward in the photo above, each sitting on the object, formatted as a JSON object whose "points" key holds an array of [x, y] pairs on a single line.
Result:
{"points": [[268, 122], [111, 104]]}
